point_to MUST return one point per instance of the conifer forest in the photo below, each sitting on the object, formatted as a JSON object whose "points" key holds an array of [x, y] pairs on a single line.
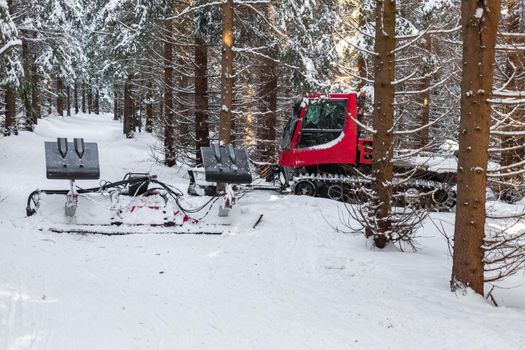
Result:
{"points": [[262, 174]]}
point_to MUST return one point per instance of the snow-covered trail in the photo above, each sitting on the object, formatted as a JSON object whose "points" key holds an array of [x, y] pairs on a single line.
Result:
{"points": [[293, 282]]}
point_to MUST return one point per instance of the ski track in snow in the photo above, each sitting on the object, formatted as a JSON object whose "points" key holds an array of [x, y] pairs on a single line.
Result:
{"points": [[291, 283]]}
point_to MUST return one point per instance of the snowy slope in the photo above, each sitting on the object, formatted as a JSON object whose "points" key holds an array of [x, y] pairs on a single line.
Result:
{"points": [[293, 282]]}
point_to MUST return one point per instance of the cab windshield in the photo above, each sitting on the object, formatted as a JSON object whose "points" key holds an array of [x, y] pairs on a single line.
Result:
{"points": [[324, 122]]}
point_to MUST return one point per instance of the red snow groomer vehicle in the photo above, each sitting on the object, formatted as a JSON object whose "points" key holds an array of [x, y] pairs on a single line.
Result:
{"points": [[139, 203], [323, 152]]}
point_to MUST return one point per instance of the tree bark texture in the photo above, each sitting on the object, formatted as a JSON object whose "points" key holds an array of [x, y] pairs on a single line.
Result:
{"points": [[183, 104], [96, 102], [201, 96], [361, 62], [89, 99], [68, 100], [424, 117], [115, 102], [128, 107], [35, 93], [76, 97], [26, 90], [10, 109], [84, 97], [169, 115], [60, 96], [136, 116], [268, 117], [149, 117], [514, 70], [225, 124], [10, 96], [479, 27], [161, 108], [49, 100], [384, 75], [149, 109]]}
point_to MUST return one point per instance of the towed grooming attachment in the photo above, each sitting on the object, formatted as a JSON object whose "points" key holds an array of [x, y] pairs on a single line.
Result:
{"points": [[139, 203], [224, 165]]}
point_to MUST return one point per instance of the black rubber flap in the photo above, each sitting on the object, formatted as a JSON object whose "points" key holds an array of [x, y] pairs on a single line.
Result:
{"points": [[71, 166], [230, 166]]}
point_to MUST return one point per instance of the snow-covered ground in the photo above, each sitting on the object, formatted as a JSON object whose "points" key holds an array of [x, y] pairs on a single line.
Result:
{"points": [[293, 282]]}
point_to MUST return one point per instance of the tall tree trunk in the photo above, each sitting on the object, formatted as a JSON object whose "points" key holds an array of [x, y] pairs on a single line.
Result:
{"points": [[26, 90], [202, 136], [76, 97], [183, 98], [90, 99], [183, 102], [225, 124], [10, 96], [382, 170], [50, 99], [149, 109], [169, 115], [479, 25], [128, 107], [136, 108], [424, 97], [361, 62], [96, 102], [35, 92], [269, 117], [68, 100], [268, 95], [115, 102], [60, 96], [83, 97], [161, 107], [149, 117], [515, 69], [10, 110]]}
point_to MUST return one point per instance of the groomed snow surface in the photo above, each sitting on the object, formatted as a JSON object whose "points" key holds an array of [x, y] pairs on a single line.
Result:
{"points": [[293, 282]]}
